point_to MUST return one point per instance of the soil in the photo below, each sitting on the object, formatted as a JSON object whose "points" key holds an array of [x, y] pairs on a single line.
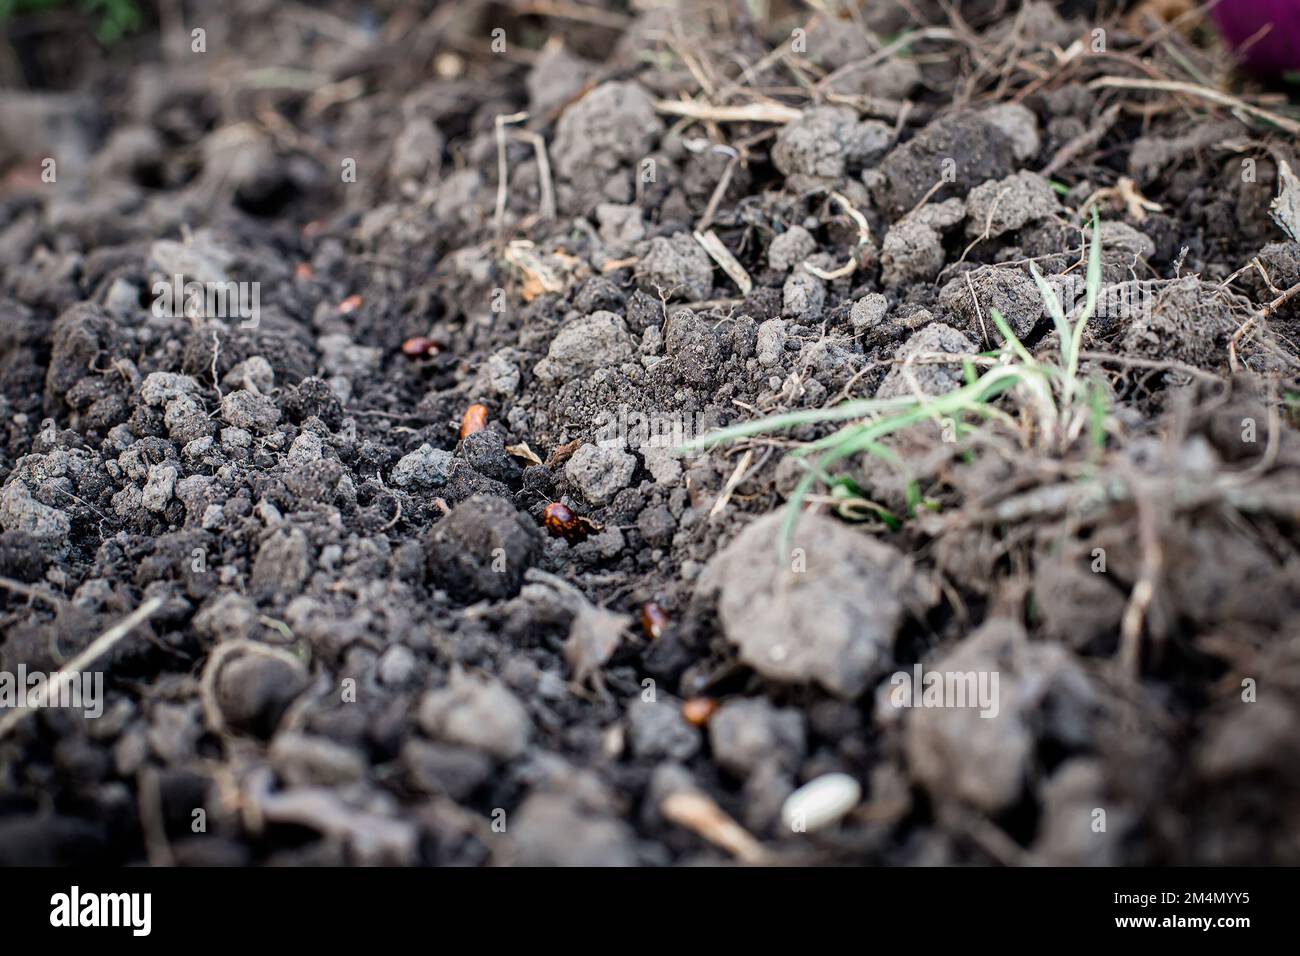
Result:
{"points": [[373, 625]]}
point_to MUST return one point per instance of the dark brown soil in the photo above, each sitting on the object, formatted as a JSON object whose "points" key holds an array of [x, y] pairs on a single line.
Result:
{"points": [[375, 632]]}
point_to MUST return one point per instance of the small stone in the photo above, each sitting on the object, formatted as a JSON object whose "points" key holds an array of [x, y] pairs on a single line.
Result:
{"points": [[1121, 238], [790, 248], [213, 518], [621, 226], [283, 562], [485, 451], [236, 438], [199, 260], [424, 469], [502, 374], [600, 472], [230, 617], [868, 311], [826, 611], [928, 378], [601, 340], [159, 488], [441, 768], [958, 754], [913, 248], [1003, 205], [186, 421], [478, 713], [600, 139], [20, 556], [771, 342], [1010, 291], [662, 462], [747, 732], [159, 388], [19, 511], [656, 524], [417, 154], [694, 346], [826, 143], [678, 267], [482, 549], [1019, 124], [803, 295], [249, 411], [554, 829], [1066, 834], [254, 690], [255, 374], [970, 145], [306, 449], [658, 729], [396, 665], [302, 760]]}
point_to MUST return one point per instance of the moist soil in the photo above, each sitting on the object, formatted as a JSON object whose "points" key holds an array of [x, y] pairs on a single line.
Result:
{"points": [[371, 622]]}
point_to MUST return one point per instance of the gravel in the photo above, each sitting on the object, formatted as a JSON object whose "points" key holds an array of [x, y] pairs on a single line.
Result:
{"points": [[1010, 291], [746, 733], [598, 341], [929, 379], [676, 267], [824, 611], [790, 248], [482, 549], [249, 411], [254, 690], [479, 713], [424, 469], [658, 730], [599, 472], [1003, 205]]}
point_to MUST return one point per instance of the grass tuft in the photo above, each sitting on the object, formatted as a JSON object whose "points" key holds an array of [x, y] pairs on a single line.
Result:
{"points": [[1060, 409]]}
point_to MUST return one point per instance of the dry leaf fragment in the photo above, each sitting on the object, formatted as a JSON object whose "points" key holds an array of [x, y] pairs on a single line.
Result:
{"points": [[523, 451], [1285, 209], [539, 278]]}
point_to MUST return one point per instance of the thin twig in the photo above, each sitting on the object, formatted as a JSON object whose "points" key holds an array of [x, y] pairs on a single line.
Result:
{"points": [[543, 172], [730, 487], [502, 170], [720, 254], [1201, 92], [698, 813], [1144, 590], [1084, 141], [97, 648], [749, 113]]}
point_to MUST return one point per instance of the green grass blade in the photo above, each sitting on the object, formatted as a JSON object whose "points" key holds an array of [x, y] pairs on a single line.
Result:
{"points": [[1011, 338], [1090, 304], [856, 409], [1094, 269], [1063, 331]]}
